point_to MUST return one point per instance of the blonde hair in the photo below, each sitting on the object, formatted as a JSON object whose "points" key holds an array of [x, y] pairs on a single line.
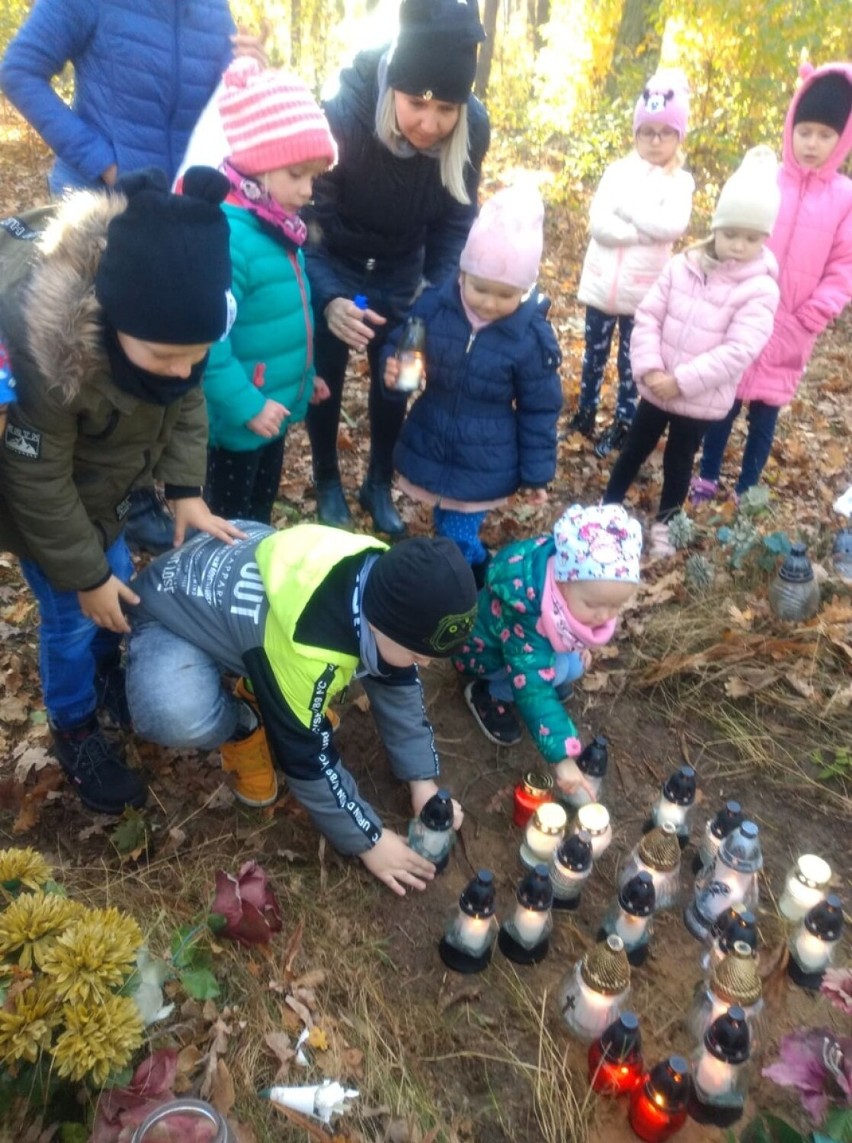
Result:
{"points": [[455, 148]]}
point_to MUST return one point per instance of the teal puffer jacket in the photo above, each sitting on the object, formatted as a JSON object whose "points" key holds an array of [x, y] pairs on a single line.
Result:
{"points": [[269, 352]]}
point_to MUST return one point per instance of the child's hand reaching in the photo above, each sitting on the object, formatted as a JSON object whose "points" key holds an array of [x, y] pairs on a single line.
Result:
{"points": [[394, 863], [267, 423], [422, 790], [103, 604], [570, 778], [391, 372], [662, 385], [321, 391]]}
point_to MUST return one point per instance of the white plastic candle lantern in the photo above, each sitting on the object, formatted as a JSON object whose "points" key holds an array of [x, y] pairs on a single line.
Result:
{"points": [[735, 980], [594, 818], [813, 943], [525, 937], [658, 854], [543, 833], [731, 879], [471, 928], [431, 834], [595, 991], [676, 800], [630, 917], [592, 762], [720, 1070], [570, 867], [806, 885]]}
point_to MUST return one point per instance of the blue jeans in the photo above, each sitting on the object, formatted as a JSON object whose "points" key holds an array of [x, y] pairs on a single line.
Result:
{"points": [[175, 691], [463, 527], [762, 419], [72, 647], [568, 665], [599, 330]]}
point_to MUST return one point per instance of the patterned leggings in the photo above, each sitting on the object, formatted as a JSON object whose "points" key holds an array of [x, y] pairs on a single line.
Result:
{"points": [[463, 527], [600, 328], [243, 485]]}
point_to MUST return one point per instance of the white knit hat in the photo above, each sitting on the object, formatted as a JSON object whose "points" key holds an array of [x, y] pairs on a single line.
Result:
{"points": [[751, 197]]}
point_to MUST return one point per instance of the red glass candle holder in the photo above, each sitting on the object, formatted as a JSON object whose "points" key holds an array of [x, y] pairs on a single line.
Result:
{"points": [[615, 1060], [532, 791], [658, 1107]]}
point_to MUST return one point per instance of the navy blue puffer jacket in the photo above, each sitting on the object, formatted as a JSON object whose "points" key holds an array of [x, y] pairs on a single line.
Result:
{"points": [[486, 423], [143, 72]]}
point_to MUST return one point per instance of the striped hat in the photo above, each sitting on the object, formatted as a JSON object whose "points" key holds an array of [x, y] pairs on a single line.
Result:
{"points": [[271, 120]]}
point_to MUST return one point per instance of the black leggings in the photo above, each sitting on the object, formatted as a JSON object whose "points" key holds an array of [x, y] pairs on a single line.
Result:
{"points": [[683, 442], [243, 485], [386, 412]]}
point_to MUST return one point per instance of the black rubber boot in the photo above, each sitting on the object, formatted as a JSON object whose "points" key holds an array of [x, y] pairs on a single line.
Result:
{"points": [[332, 508], [110, 688], [583, 422], [613, 437], [102, 781], [374, 496]]}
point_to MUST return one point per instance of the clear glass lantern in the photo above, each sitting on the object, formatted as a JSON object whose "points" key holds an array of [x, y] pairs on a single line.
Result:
{"points": [[805, 886], [631, 916], [794, 593], [658, 854], [716, 830], [595, 991], [543, 833], [677, 797], [813, 943], [471, 929], [736, 924], [730, 879], [570, 867], [734, 981], [594, 818], [431, 834], [720, 1070], [525, 937], [184, 1119], [592, 762]]}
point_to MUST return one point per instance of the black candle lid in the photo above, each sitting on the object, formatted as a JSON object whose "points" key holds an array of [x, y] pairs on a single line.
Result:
{"points": [[825, 920], [594, 758], [575, 852], [797, 567], [680, 786], [622, 1037], [727, 1038], [669, 1080], [736, 925], [638, 895], [437, 813], [535, 891], [727, 819], [478, 896]]}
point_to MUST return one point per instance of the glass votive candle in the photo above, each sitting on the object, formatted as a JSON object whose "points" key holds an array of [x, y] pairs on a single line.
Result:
{"points": [[184, 1119], [631, 916], [533, 790], [570, 867], [431, 833], [735, 980], [716, 830], [543, 833], [615, 1060], [594, 818], [592, 761], [471, 929], [805, 886], [658, 1104], [595, 991], [525, 937], [813, 943], [720, 1070], [675, 802], [736, 924], [657, 853]]}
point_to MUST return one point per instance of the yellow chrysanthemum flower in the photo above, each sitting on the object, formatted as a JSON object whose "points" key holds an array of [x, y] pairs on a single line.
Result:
{"points": [[30, 924], [26, 1025], [94, 955], [24, 867], [98, 1039]]}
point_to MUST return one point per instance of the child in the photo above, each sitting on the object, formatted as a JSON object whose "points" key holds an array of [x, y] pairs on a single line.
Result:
{"points": [[640, 208], [812, 241], [109, 305], [486, 424], [300, 611], [704, 322], [261, 377], [547, 602]]}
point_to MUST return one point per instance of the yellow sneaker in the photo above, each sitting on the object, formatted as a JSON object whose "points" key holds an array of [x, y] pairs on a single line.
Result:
{"points": [[250, 761]]}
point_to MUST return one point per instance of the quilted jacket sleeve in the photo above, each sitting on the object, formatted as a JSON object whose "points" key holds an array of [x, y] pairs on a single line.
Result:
{"points": [[183, 462], [538, 403]]}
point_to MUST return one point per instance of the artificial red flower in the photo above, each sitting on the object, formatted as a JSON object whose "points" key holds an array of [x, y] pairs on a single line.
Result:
{"points": [[818, 1064], [247, 904], [121, 1109]]}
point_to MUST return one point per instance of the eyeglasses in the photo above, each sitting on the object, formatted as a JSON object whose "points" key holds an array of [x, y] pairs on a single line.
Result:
{"points": [[664, 135]]}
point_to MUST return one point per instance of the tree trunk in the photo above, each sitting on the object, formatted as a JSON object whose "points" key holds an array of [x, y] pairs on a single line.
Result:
{"points": [[634, 29], [296, 35], [486, 50], [538, 14]]}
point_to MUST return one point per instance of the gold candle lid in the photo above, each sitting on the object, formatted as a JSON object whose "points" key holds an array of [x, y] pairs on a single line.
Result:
{"points": [[659, 848], [736, 979], [605, 968], [537, 782], [550, 819]]}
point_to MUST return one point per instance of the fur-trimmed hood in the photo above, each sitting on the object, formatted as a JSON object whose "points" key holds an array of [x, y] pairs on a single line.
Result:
{"points": [[62, 317]]}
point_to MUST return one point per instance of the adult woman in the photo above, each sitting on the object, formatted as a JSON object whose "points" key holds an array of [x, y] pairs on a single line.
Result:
{"points": [[395, 210]]}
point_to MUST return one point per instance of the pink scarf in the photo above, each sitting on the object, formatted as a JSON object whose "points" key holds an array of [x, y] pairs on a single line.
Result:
{"points": [[564, 632], [248, 193]]}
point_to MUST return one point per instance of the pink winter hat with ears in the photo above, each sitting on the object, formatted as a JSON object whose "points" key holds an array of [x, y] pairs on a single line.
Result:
{"points": [[664, 100], [505, 241]]}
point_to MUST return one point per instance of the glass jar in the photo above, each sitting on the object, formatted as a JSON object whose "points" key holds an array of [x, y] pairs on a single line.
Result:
{"points": [[716, 830], [805, 886], [533, 790], [471, 928], [595, 991], [794, 593], [180, 1119], [592, 762], [720, 1070], [543, 833], [841, 554], [570, 867], [431, 834], [411, 355]]}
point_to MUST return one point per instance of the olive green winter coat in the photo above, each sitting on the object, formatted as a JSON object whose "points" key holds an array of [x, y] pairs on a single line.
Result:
{"points": [[75, 445]]}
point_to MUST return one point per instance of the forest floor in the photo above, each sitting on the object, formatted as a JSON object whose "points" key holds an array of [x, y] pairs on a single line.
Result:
{"points": [[761, 711]]}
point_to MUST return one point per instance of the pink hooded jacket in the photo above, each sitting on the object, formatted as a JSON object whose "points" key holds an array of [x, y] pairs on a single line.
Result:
{"points": [[812, 241], [705, 328]]}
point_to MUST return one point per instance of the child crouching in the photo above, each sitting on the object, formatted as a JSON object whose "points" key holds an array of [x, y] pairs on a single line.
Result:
{"points": [[547, 602]]}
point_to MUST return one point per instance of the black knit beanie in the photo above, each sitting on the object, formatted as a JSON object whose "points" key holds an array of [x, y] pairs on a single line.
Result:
{"points": [[421, 594], [165, 274], [827, 100], [435, 51]]}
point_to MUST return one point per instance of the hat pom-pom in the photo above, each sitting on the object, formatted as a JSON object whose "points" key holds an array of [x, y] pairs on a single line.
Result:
{"points": [[145, 179], [241, 71], [205, 183]]}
